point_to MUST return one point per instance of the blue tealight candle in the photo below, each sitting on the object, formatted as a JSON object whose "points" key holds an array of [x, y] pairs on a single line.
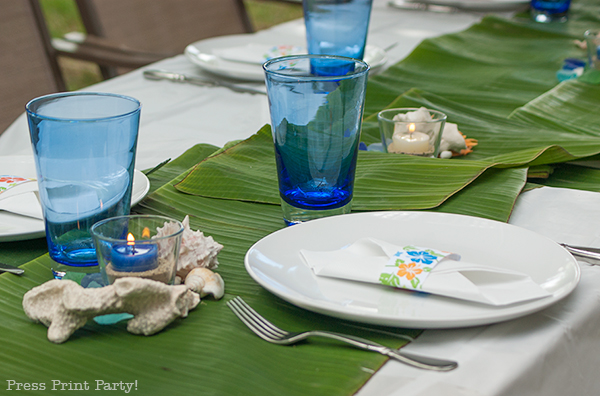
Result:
{"points": [[132, 257]]}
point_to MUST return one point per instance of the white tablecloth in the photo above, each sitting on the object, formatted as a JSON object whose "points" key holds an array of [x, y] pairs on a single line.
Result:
{"points": [[553, 352]]}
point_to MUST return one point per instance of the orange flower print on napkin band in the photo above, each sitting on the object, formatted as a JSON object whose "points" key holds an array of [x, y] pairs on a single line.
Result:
{"points": [[408, 268], [409, 271]]}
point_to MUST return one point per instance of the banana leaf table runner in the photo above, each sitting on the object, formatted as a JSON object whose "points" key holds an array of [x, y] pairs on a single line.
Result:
{"points": [[496, 80]]}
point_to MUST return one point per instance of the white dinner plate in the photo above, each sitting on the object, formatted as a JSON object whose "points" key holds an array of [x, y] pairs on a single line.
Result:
{"points": [[201, 53], [474, 5], [275, 263], [14, 227]]}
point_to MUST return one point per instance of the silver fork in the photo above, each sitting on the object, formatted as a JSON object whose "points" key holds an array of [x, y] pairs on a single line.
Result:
{"points": [[271, 333]]}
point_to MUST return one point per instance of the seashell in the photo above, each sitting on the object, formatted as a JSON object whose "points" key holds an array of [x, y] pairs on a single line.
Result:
{"points": [[64, 306], [195, 282], [196, 249], [205, 282], [452, 139]]}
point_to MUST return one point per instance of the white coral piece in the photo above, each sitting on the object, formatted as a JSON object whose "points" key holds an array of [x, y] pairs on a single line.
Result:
{"points": [[205, 282], [196, 250], [64, 306]]}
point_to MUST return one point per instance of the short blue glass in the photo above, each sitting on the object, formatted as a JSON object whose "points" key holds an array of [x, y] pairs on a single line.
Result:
{"points": [[84, 147], [337, 27], [316, 121], [550, 10]]}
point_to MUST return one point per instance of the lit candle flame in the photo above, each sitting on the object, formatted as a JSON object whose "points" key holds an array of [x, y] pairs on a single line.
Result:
{"points": [[146, 233], [130, 239], [411, 127]]}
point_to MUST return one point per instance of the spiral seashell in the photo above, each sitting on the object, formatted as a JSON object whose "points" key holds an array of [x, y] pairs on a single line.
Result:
{"points": [[195, 282], [204, 282], [196, 249]]}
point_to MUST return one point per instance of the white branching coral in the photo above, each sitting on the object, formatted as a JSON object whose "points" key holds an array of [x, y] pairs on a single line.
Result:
{"points": [[64, 306]]}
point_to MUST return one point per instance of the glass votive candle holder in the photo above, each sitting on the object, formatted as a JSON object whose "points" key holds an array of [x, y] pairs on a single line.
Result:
{"points": [[142, 246], [413, 131], [592, 40]]}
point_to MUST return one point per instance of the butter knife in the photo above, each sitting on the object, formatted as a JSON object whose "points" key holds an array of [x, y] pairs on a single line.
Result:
{"points": [[182, 78], [583, 252], [11, 269]]}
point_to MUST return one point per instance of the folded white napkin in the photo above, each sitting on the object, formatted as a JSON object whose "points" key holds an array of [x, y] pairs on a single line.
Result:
{"points": [[20, 195], [375, 261], [257, 53]]}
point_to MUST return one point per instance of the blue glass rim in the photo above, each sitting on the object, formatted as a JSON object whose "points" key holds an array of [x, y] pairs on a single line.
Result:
{"points": [[33, 104], [94, 229], [309, 77]]}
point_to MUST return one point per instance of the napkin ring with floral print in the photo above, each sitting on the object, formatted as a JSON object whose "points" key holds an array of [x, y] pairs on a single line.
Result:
{"points": [[408, 268]]}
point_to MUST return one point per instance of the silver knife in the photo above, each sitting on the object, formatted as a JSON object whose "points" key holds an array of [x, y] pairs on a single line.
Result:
{"points": [[584, 252], [10, 268], [178, 77]]}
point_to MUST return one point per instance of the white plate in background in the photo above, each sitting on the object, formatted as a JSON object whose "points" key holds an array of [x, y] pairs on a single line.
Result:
{"points": [[15, 227], [470, 5], [201, 54]]}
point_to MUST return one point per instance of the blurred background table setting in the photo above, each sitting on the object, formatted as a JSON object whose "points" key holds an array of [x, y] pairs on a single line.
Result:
{"points": [[523, 179]]}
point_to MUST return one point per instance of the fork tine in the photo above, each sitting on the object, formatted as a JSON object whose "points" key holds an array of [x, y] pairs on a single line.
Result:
{"points": [[260, 324], [255, 321], [251, 322], [231, 304], [264, 322]]}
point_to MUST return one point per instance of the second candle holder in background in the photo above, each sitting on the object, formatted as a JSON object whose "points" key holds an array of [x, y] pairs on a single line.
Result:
{"points": [[414, 131]]}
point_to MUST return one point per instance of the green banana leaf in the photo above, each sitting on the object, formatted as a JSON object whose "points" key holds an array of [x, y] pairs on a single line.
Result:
{"points": [[492, 195], [495, 66], [577, 176], [179, 165], [247, 172]]}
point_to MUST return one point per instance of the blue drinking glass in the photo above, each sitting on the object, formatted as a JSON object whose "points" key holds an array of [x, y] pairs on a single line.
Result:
{"points": [[84, 147], [337, 27], [316, 121], [550, 10]]}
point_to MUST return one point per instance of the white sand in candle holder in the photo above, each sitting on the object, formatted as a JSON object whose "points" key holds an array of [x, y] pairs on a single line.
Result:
{"points": [[164, 272]]}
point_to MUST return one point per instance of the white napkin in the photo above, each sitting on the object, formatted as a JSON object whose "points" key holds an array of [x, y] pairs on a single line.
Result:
{"points": [[256, 53], [21, 198], [375, 261]]}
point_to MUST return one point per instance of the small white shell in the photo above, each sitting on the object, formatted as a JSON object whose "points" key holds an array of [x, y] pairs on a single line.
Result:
{"points": [[446, 154], [195, 282], [205, 282], [452, 139]]}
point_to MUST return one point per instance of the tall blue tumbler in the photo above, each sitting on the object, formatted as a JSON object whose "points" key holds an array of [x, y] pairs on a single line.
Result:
{"points": [[316, 121], [84, 147], [337, 27]]}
